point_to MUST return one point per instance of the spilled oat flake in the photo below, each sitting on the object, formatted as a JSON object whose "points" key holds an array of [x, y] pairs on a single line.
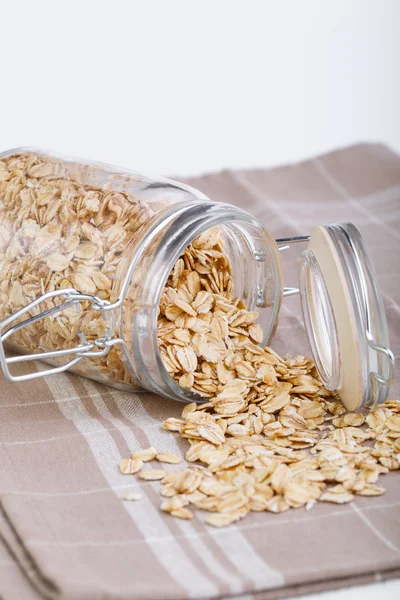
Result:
{"points": [[269, 436]]}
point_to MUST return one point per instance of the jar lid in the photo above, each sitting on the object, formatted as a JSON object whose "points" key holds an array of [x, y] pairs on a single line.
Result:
{"points": [[344, 316]]}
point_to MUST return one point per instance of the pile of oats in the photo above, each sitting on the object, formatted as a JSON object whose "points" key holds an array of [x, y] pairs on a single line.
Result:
{"points": [[269, 436], [289, 449]]}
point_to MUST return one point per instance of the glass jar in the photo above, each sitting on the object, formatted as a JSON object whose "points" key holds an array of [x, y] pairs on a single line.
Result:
{"points": [[86, 250]]}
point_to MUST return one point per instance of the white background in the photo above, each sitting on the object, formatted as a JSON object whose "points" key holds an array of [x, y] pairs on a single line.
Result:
{"points": [[188, 86]]}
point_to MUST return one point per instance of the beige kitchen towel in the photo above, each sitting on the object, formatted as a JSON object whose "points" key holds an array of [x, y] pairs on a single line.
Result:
{"points": [[64, 530]]}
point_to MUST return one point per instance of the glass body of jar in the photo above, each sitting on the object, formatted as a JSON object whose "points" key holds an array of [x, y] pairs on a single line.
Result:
{"points": [[85, 252]]}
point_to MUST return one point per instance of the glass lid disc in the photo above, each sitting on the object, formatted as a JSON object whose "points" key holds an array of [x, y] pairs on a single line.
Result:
{"points": [[369, 311], [344, 316], [319, 320]]}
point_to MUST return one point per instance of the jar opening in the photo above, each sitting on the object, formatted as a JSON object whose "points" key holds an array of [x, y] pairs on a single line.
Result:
{"points": [[256, 272]]}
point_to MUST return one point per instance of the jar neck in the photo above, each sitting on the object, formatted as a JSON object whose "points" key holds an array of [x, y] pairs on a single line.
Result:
{"points": [[256, 271]]}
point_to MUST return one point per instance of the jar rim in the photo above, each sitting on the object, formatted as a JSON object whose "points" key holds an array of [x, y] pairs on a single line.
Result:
{"points": [[171, 233]]}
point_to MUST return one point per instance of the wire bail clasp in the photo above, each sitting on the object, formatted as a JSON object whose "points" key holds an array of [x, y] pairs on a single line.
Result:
{"points": [[284, 244], [84, 349]]}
